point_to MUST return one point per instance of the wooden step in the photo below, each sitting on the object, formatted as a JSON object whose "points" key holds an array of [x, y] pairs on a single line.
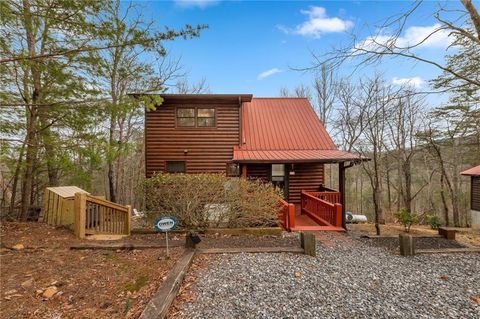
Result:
{"points": [[317, 228]]}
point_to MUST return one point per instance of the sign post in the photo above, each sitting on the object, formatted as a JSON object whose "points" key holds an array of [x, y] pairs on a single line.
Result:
{"points": [[164, 225]]}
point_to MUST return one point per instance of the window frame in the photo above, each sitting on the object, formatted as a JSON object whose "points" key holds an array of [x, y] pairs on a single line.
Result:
{"points": [[196, 126], [228, 170], [176, 161], [283, 176], [183, 117]]}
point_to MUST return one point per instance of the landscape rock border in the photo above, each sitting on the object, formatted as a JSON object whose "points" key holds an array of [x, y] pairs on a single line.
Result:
{"points": [[158, 306]]}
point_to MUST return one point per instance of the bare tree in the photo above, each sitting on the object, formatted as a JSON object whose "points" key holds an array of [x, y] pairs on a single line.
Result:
{"points": [[443, 136], [350, 114], [377, 98], [184, 87], [324, 87], [385, 43], [300, 90], [403, 126]]}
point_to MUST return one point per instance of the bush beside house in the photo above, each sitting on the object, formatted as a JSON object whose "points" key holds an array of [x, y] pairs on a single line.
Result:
{"points": [[199, 201]]}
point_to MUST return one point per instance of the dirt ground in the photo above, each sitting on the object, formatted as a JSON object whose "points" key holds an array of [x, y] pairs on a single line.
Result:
{"points": [[465, 236], [85, 283]]}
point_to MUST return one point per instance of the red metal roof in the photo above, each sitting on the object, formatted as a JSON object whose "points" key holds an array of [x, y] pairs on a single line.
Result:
{"points": [[474, 171], [293, 156], [285, 129]]}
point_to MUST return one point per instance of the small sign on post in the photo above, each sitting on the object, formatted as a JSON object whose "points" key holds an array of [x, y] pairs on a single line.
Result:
{"points": [[164, 225]]}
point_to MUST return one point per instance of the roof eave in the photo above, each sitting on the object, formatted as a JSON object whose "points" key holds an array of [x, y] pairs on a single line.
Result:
{"points": [[236, 98], [289, 161]]}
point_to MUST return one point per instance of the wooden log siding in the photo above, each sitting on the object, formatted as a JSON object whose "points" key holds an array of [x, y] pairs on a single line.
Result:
{"points": [[259, 171], [475, 193], [308, 177], [208, 149]]}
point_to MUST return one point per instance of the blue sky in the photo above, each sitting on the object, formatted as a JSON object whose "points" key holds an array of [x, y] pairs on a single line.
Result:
{"points": [[251, 46]]}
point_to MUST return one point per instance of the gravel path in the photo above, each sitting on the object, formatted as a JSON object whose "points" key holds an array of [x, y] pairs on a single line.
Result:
{"points": [[348, 279]]}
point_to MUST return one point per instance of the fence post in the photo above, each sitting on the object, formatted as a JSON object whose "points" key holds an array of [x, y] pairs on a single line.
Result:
{"points": [[129, 219], [80, 206], [338, 215], [407, 245], [291, 216], [308, 243]]}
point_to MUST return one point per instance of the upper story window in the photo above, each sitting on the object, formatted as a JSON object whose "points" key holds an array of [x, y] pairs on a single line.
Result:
{"points": [[205, 117], [195, 117], [186, 117]]}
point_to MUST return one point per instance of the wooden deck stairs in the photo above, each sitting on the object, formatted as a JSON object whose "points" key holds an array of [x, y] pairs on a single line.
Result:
{"points": [[85, 214]]}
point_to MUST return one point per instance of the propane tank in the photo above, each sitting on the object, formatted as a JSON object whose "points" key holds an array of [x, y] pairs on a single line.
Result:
{"points": [[354, 218]]}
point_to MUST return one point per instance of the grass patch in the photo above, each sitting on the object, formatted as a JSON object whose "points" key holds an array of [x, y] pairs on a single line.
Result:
{"points": [[139, 283], [127, 306]]}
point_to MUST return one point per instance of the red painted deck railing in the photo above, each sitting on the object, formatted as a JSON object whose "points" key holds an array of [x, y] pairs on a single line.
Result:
{"points": [[286, 215], [331, 197], [319, 208]]}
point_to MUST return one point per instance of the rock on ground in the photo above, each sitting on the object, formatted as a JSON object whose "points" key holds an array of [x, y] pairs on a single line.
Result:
{"points": [[347, 279]]}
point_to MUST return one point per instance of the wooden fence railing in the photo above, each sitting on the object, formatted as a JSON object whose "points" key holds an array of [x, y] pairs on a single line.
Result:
{"points": [[330, 196], [320, 209], [286, 215], [94, 215]]}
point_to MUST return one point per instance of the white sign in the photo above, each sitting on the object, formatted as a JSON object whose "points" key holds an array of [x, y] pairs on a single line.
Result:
{"points": [[165, 224]]}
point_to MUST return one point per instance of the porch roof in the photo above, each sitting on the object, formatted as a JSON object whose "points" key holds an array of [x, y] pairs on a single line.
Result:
{"points": [[291, 156], [474, 171]]}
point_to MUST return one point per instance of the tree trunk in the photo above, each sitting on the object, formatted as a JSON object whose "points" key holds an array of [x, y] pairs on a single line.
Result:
{"points": [[407, 193], [444, 200], [16, 177], [47, 141], [32, 114], [378, 210], [474, 15], [110, 159], [389, 192]]}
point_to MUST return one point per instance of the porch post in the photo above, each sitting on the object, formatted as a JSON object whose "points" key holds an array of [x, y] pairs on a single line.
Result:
{"points": [[341, 189], [244, 170]]}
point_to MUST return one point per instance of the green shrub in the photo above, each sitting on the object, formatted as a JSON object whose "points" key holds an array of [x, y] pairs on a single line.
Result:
{"points": [[406, 218], [200, 201], [434, 221]]}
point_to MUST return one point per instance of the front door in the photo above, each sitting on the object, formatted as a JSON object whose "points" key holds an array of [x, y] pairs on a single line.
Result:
{"points": [[279, 178]]}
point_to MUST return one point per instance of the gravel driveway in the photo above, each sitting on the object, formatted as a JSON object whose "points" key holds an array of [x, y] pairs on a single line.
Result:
{"points": [[347, 279]]}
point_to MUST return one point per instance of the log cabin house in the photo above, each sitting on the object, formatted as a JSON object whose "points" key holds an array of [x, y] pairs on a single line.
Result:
{"points": [[280, 140], [474, 174]]}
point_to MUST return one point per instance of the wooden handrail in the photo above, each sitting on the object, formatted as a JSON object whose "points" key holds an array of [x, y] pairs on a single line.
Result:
{"points": [[332, 197], [287, 215], [313, 197], [322, 211], [104, 202], [95, 215]]}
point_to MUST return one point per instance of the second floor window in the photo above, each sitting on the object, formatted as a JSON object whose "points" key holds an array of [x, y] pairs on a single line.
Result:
{"points": [[205, 117], [186, 117], [196, 117]]}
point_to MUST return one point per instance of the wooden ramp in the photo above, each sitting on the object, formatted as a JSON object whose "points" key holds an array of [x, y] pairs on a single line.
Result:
{"points": [[305, 223], [318, 211]]}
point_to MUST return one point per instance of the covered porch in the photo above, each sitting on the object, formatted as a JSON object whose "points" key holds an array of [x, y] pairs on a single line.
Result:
{"points": [[307, 204]]}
